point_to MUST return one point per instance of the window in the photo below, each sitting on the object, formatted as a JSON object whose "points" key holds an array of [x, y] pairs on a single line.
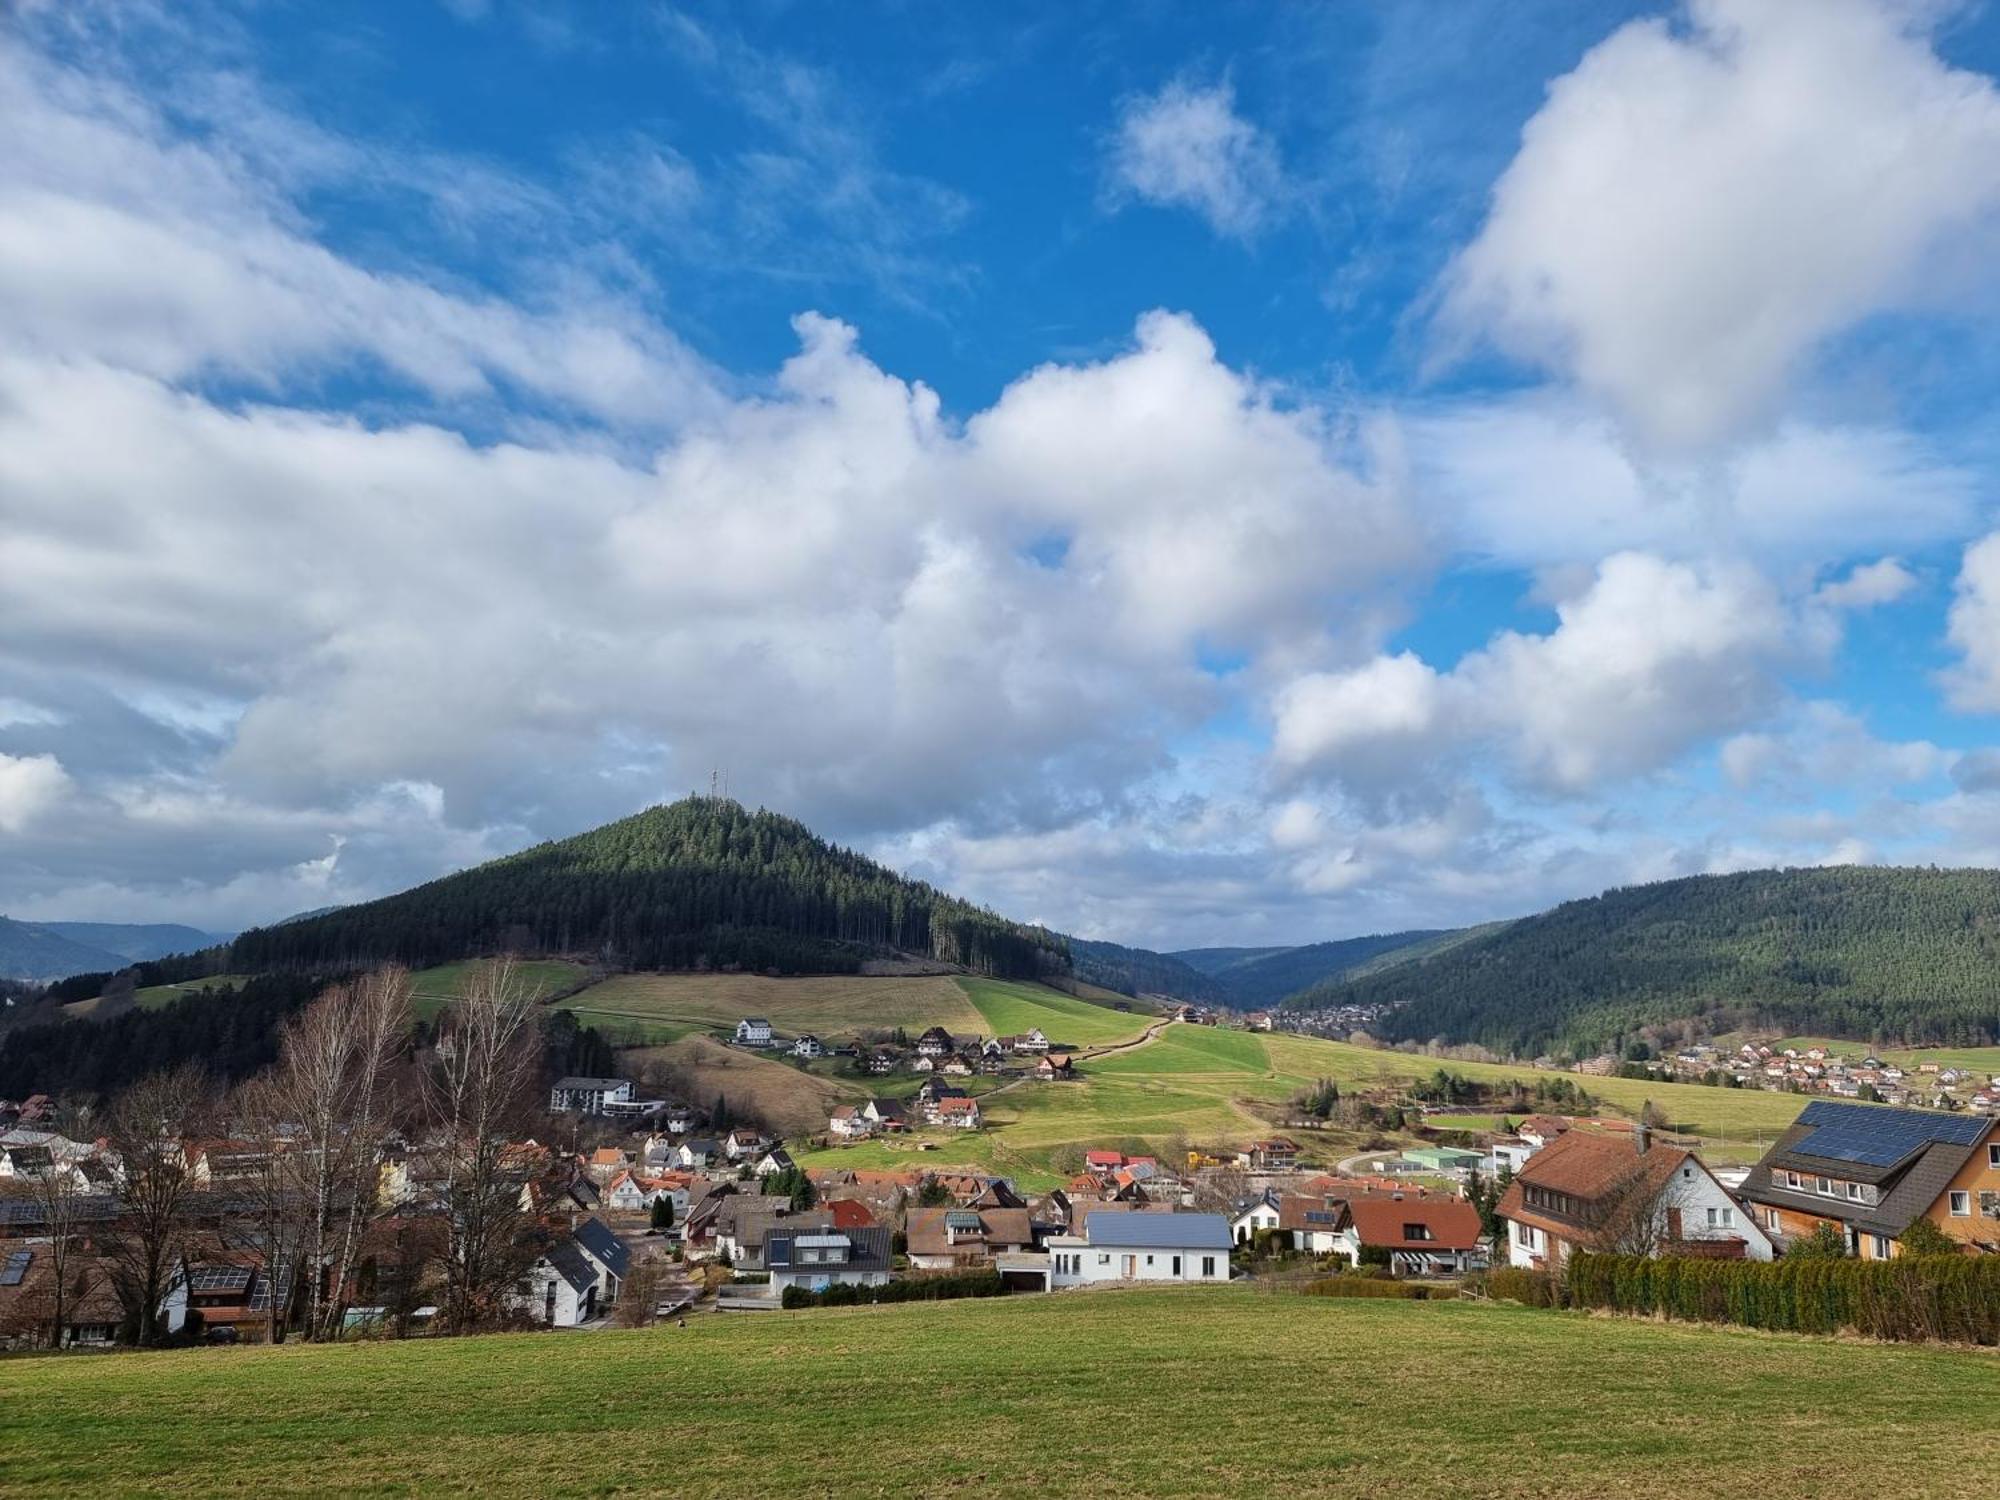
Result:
{"points": [[1854, 1191], [1149, 1260], [1728, 1218], [1177, 1265], [1881, 1242], [1711, 1218], [1993, 1156], [1825, 1187], [1104, 1260], [1961, 1204], [1791, 1179], [1208, 1265], [1772, 1220]]}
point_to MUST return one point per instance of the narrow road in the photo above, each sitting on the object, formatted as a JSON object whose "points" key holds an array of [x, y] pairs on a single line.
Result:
{"points": [[1088, 1053]]}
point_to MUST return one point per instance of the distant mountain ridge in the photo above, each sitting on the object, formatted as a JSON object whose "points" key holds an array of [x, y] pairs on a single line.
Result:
{"points": [[1140, 971], [1259, 978], [1908, 956], [43, 951], [699, 882]]}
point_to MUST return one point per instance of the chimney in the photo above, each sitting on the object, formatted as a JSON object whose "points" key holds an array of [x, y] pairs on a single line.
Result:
{"points": [[1641, 1137]]}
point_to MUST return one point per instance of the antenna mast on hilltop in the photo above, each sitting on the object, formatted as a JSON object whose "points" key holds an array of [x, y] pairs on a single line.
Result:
{"points": [[718, 784]]}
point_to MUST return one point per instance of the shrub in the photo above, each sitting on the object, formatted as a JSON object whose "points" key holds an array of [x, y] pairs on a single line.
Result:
{"points": [[1531, 1288], [912, 1289], [1953, 1298]]}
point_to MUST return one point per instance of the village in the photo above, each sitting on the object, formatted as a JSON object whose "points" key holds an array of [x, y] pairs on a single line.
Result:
{"points": [[655, 1214]]}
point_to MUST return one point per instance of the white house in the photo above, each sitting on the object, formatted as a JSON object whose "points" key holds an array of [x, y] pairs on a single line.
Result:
{"points": [[808, 1046], [847, 1123], [1032, 1041], [753, 1031], [559, 1288], [1260, 1212], [588, 1096], [1141, 1247], [819, 1258]]}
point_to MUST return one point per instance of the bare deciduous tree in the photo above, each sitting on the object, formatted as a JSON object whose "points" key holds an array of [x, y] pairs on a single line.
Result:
{"points": [[66, 1205], [486, 1060], [147, 1127]]}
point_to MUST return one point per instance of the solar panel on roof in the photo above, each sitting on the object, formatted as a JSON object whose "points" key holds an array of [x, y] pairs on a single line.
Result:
{"points": [[960, 1218], [16, 1267], [219, 1279], [1880, 1137], [1320, 1216]]}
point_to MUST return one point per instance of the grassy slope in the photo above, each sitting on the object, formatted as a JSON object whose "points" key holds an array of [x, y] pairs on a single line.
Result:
{"points": [[793, 1101], [1984, 1061], [830, 1006], [1243, 1395], [432, 989]]}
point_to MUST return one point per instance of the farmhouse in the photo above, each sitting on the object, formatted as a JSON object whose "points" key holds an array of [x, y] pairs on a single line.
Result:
{"points": [[1055, 1067], [934, 1043], [961, 1114], [808, 1046], [1872, 1172], [847, 1123], [1120, 1245], [753, 1031], [1605, 1192], [819, 1258]]}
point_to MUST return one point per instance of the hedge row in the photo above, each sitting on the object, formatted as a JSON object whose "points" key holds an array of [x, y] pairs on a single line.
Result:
{"points": [[1953, 1298], [1368, 1286], [914, 1289]]}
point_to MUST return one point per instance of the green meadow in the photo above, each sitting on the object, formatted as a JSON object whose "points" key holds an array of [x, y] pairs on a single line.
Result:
{"points": [[1186, 1391]]}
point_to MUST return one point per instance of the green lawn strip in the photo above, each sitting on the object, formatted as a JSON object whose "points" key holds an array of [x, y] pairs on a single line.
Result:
{"points": [[1340, 1399], [1010, 1008]]}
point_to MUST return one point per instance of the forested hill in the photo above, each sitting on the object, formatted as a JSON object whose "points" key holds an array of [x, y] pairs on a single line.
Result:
{"points": [[1885, 955], [1255, 978], [1140, 971], [701, 881]]}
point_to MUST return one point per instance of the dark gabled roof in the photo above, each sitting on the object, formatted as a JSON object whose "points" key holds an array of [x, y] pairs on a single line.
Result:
{"points": [[868, 1249], [604, 1246], [593, 1083], [572, 1265], [1907, 1187]]}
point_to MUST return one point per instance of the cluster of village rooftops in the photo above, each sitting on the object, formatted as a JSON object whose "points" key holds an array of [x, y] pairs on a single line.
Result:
{"points": [[672, 1212]]}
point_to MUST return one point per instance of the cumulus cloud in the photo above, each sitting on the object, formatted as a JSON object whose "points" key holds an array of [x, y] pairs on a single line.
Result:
{"points": [[1648, 659], [1695, 209], [1187, 147], [1867, 585], [30, 786], [1973, 684]]}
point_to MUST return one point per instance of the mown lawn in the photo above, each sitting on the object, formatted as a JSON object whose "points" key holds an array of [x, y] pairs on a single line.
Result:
{"points": [[1010, 1009], [1209, 1392]]}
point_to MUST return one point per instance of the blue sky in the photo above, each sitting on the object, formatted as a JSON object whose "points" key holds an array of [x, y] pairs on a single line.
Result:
{"points": [[1188, 474]]}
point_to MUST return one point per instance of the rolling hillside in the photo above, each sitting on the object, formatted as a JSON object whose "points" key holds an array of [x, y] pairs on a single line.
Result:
{"points": [[1909, 956], [1139, 971], [698, 883]]}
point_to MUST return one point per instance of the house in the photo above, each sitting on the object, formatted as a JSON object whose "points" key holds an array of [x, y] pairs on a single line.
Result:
{"points": [[850, 1213], [808, 1046], [559, 1288], [1055, 1067], [744, 1145], [607, 1253], [774, 1161], [886, 1114], [956, 1066], [1507, 1153], [588, 1096], [1031, 1041], [1422, 1237], [1872, 1172], [819, 1258], [27, 1163], [1123, 1245], [1260, 1212], [678, 1119], [629, 1192], [696, 1155], [753, 1031], [91, 1312], [1278, 1153], [1586, 1191], [881, 1061], [934, 1043], [1315, 1223], [1539, 1130], [605, 1163], [744, 1228], [1103, 1163], [961, 1114], [1258, 1020], [225, 1288], [946, 1239], [847, 1123]]}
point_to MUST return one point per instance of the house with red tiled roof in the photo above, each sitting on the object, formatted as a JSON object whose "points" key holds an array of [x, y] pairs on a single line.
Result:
{"points": [[1622, 1193], [850, 1213], [1421, 1236]]}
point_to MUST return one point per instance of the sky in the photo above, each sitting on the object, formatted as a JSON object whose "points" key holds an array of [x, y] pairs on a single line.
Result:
{"points": [[1185, 474]]}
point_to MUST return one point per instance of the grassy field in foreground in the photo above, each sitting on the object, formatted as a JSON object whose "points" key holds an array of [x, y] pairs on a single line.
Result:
{"points": [[1216, 1392]]}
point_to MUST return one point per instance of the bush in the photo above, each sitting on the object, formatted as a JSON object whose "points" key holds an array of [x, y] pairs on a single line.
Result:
{"points": [[1951, 1298], [912, 1289], [1531, 1288], [1364, 1286]]}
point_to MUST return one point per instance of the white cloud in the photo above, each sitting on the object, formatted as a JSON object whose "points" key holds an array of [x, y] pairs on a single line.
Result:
{"points": [[1696, 209], [1648, 659], [1867, 585], [1974, 629], [1186, 147], [30, 787]]}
